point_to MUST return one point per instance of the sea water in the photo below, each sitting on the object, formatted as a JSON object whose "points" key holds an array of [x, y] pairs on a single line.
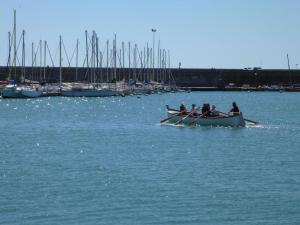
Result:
{"points": [[109, 161]]}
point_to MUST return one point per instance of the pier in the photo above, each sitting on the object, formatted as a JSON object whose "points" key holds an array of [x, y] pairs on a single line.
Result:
{"points": [[201, 79]]}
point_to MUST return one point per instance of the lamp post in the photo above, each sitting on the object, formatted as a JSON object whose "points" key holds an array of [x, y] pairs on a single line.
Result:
{"points": [[153, 52]]}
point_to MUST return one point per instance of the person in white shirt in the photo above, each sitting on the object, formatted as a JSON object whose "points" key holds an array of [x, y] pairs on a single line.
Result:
{"points": [[213, 111]]}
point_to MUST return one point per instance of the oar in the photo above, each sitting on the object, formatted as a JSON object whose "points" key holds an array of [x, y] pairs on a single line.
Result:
{"points": [[224, 114], [247, 120], [180, 121], [164, 120], [197, 118], [250, 121]]}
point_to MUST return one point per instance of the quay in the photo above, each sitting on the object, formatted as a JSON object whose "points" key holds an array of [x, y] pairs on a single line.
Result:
{"points": [[193, 79]]}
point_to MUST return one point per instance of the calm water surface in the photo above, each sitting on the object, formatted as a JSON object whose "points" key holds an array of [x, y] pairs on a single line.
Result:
{"points": [[109, 161]]}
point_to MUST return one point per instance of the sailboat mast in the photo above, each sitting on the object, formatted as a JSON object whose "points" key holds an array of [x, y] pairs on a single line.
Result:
{"points": [[15, 43], [87, 50], [160, 65], [147, 63], [45, 55], [101, 72], [97, 55], [32, 59], [9, 55], [129, 50], [93, 59], [123, 58], [134, 62], [169, 66], [41, 59], [76, 74], [153, 52], [60, 69], [115, 57], [144, 65], [23, 55], [107, 43], [158, 61]]}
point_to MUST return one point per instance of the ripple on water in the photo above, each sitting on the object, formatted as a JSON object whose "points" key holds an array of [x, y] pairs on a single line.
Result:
{"points": [[110, 161]]}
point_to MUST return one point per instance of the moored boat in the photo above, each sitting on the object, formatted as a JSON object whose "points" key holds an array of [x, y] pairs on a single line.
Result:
{"points": [[31, 92], [88, 92], [12, 91]]}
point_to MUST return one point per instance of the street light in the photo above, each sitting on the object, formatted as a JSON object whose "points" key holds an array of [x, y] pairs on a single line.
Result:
{"points": [[153, 52]]}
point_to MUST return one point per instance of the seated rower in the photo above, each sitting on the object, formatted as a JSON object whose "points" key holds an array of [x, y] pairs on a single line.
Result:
{"points": [[205, 110], [235, 109], [213, 111], [182, 110], [194, 111]]}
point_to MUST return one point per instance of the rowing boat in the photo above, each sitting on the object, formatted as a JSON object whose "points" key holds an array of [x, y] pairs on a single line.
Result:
{"points": [[235, 120]]}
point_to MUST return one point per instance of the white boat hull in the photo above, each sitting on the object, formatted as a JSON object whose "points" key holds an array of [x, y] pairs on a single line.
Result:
{"points": [[224, 121], [31, 93]]}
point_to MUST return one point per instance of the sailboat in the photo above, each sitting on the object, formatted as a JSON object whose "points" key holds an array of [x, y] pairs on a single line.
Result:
{"points": [[31, 92], [13, 90], [92, 89], [87, 92]]}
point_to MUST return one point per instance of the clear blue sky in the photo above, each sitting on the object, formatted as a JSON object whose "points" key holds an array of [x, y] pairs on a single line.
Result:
{"points": [[199, 33]]}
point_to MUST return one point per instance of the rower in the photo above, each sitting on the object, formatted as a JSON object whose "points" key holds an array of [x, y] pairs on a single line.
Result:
{"points": [[182, 109], [205, 110], [235, 109], [194, 110], [213, 111]]}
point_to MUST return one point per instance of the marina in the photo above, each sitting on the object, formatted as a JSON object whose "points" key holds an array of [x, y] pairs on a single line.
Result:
{"points": [[145, 74], [121, 69]]}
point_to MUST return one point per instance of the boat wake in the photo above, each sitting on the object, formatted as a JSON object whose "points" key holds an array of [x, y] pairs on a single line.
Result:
{"points": [[274, 126], [173, 125]]}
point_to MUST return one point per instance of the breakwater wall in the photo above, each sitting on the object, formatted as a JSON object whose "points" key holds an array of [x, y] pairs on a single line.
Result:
{"points": [[182, 77]]}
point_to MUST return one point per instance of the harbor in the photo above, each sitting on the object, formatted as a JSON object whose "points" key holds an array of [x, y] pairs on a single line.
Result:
{"points": [[120, 69], [149, 112]]}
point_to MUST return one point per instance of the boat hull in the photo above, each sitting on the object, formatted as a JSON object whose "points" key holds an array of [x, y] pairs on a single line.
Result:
{"points": [[12, 92], [31, 93], [141, 91], [224, 121]]}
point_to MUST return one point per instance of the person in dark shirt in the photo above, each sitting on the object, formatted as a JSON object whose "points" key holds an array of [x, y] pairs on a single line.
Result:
{"points": [[235, 108], [205, 110], [182, 109]]}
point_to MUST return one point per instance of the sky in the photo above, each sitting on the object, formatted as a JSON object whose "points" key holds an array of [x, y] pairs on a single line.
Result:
{"points": [[198, 33]]}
